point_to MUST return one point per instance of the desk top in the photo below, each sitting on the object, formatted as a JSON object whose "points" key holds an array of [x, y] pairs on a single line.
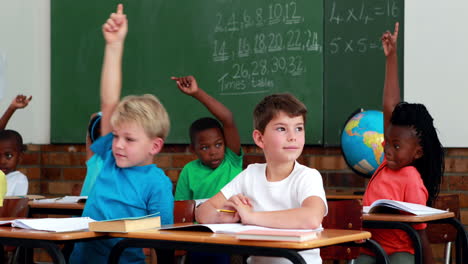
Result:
{"points": [[55, 205], [325, 238], [406, 218], [335, 196], [13, 232]]}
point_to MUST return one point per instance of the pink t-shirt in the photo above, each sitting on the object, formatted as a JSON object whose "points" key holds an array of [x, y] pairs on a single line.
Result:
{"points": [[404, 185]]}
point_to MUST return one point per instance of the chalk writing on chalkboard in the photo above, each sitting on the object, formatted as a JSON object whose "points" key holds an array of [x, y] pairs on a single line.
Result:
{"points": [[260, 43], [365, 13], [353, 51]]}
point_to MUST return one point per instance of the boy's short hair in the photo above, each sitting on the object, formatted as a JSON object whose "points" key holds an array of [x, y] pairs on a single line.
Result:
{"points": [[271, 105], [147, 111], [12, 135], [201, 124]]}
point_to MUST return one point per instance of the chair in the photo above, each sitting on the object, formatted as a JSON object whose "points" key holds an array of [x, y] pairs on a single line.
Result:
{"points": [[347, 214], [14, 207], [184, 212], [342, 214], [445, 233]]}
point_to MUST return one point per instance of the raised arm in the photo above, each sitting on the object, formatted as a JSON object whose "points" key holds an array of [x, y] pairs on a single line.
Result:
{"points": [[189, 86], [114, 31], [391, 93], [20, 101]]}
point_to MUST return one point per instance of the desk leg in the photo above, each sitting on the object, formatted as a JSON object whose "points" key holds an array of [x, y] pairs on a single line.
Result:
{"points": [[462, 238], [26, 244], [117, 250], [380, 254], [163, 255], [53, 250], [413, 234]]}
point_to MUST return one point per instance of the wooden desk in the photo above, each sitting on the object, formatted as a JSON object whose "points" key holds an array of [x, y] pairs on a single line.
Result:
{"points": [[42, 239], [205, 241], [55, 208], [404, 222], [335, 196]]}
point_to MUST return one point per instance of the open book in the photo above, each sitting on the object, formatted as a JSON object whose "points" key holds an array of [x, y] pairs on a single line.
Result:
{"points": [[51, 224], [65, 199], [72, 199], [250, 231], [127, 224], [391, 206]]}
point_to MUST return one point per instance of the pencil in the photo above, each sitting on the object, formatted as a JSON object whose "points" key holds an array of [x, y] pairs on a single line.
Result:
{"points": [[225, 211]]}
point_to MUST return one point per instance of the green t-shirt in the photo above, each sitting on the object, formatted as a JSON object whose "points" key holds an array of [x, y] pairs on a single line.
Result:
{"points": [[197, 181]]}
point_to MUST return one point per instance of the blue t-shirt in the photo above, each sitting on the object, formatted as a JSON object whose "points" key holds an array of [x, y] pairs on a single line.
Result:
{"points": [[93, 168], [123, 192]]}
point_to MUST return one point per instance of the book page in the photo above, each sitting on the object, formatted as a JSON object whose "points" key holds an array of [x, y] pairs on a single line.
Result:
{"points": [[54, 224], [7, 222], [416, 209], [48, 200], [72, 199], [132, 218], [231, 228]]}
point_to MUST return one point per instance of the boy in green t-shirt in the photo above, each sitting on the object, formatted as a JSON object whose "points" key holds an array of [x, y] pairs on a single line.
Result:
{"points": [[217, 147]]}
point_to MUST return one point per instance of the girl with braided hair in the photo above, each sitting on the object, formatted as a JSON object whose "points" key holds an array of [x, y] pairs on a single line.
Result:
{"points": [[413, 166]]}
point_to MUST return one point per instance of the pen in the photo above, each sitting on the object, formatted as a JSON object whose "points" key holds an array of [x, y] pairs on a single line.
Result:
{"points": [[225, 211]]}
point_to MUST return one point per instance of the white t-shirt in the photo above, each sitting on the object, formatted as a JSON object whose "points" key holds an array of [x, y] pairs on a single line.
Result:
{"points": [[17, 184], [289, 193]]}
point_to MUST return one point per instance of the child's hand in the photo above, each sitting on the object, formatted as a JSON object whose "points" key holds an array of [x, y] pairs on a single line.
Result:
{"points": [[20, 101], [243, 206], [239, 199], [389, 41], [188, 85], [115, 28], [228, 217]]}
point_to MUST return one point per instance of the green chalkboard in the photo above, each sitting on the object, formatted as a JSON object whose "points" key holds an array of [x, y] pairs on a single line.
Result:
{"points": [[327, 53], [238, 50], [354, 63]]}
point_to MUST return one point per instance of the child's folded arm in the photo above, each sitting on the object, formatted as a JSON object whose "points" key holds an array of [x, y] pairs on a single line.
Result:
{"points": [[308, 216], [207, 212]]}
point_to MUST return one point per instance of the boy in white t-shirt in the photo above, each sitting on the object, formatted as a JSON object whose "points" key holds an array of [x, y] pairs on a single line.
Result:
{"points": [[280, 193]]}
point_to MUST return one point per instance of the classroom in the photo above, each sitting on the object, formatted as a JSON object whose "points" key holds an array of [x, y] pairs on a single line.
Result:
{"points": [[434, 63]]}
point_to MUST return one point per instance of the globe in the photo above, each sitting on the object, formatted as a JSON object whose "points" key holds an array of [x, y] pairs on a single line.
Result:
{"points": [[361, 142]]}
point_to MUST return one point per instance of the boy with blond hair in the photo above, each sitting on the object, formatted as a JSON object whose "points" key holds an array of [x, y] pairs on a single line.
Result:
{"points": [[133, 131], [280, 193]]}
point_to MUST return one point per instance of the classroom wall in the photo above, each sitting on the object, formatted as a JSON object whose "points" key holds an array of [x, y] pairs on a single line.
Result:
{"points": [[58, 170], [436, 62], [25, 57]]}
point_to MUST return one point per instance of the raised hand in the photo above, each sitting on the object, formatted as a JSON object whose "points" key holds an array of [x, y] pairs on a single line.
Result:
{"points": [[187, 84], [20, 101], [389, 41], [116, 27]]}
